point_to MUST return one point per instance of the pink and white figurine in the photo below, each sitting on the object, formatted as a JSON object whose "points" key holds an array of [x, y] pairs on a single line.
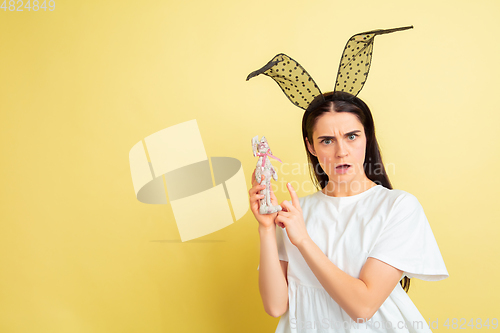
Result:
{"points": [[264, 167]]}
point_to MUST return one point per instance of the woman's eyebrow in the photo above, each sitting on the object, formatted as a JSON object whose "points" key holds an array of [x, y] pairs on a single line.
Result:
{"points": [[332, 137]]}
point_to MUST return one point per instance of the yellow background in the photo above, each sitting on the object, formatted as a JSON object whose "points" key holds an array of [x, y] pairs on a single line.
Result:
{"points": [[81, 85]]}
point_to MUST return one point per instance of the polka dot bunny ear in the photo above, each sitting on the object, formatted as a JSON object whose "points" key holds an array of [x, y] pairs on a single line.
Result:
{"points": [[293, 79], [300, 87], [356, 60]]}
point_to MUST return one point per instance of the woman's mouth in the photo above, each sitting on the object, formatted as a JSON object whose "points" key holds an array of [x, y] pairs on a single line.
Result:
{"points": [[343, 168]]}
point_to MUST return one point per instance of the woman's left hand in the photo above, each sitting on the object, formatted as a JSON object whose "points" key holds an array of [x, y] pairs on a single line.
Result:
{"points": [[291, 218]]}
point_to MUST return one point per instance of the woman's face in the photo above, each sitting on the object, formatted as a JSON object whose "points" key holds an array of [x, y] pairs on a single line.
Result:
{"points": [[338, 139]]}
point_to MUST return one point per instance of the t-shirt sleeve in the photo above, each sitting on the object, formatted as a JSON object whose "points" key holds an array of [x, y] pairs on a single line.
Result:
{"points": [[281, 244], [407, 242]]}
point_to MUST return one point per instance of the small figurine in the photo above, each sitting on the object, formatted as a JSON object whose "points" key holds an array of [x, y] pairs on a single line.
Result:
{"points": [[264, 167]]}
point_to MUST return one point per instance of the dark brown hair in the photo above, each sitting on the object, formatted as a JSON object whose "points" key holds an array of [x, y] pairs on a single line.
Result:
{"points": [[373, 166]]}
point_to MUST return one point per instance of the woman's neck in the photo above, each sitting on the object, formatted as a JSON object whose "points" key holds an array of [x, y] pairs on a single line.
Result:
{"points": [[344, 189]]}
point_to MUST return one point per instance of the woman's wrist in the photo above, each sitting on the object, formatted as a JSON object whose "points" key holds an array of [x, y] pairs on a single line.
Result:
{"points": [[305, 243], [263, 229]]}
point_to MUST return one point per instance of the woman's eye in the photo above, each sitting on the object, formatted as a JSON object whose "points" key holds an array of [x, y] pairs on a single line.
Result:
{"points": [[325, 141], [353, 136]]}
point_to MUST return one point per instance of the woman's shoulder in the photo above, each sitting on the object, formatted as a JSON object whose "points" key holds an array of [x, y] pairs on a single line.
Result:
{"points": [[400, 199], [396, 194]]}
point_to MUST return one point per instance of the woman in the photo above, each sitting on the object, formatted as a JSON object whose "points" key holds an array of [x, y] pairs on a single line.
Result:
{"points": [[343, 254]]}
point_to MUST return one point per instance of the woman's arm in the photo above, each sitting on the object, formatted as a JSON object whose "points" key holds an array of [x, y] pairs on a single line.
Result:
{"points": [[273, 285], [360, 298]]}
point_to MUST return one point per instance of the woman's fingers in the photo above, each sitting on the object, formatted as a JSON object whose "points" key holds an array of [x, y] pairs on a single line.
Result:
{"points": [[254, 198], [255, 194], [281, 218], [294, 204], [256, 188], [293, 195], [287, 206], [279, 223], [284, 213], [255, 204], [253, 190]]}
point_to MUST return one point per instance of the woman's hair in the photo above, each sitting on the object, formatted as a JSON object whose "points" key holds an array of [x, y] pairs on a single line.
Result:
{"points": [[373, 166]]}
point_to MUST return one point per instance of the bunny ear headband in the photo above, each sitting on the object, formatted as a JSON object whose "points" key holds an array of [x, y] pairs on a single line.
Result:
{"points": [[299, 86]]}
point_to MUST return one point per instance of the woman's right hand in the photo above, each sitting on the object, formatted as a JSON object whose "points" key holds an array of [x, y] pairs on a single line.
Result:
{"points": [[265, 220]]}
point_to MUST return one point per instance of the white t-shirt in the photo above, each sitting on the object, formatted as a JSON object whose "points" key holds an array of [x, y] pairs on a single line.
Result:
{"points": [[389, 225]]}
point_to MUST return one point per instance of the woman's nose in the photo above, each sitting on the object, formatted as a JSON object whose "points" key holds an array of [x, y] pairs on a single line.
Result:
{"points": [[341, 150]]}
